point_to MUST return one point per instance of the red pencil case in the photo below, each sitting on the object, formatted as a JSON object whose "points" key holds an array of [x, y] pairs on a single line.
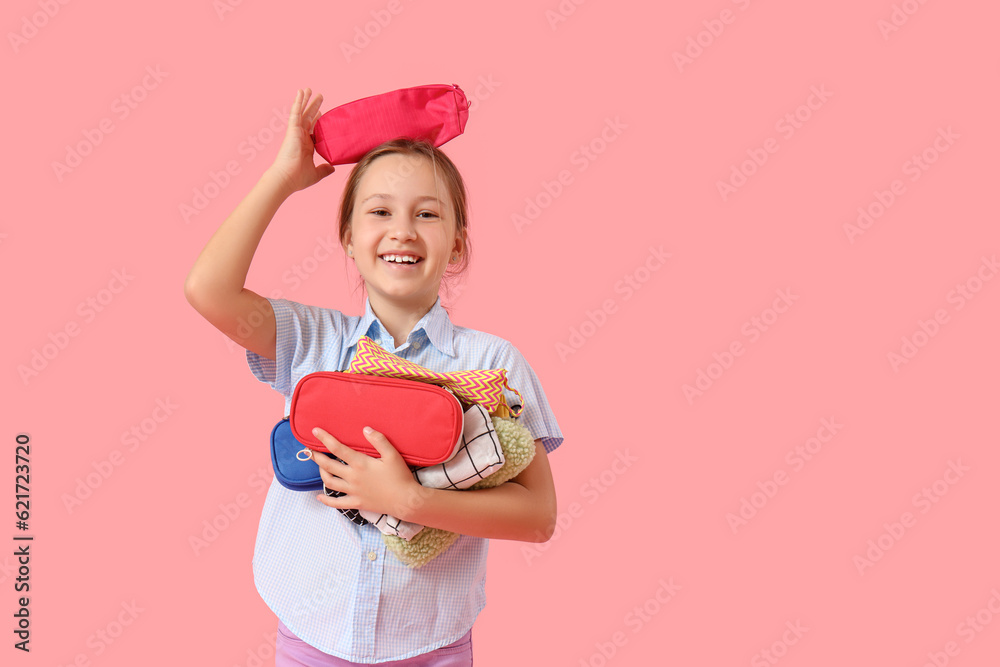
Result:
{"points": [[422, 421], [434, 113]]}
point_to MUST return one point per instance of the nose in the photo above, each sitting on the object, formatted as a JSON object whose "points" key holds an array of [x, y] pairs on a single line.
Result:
{"points": [[402, 229]]}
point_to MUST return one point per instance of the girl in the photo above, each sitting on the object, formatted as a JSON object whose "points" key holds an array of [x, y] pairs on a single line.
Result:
{"points": [[340, 597]]}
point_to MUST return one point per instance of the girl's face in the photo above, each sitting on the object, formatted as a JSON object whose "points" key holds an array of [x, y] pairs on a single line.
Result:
{"points": [[403, 232]]}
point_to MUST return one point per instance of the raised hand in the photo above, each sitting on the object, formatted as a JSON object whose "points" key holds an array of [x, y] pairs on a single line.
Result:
{"points": [[294, 164]]}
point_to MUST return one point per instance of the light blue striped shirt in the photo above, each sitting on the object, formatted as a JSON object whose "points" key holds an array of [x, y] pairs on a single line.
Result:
{"points": [[332, 582]]}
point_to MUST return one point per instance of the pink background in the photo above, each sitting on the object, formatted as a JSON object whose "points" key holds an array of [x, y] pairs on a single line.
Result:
{"points": [[600, 591]]}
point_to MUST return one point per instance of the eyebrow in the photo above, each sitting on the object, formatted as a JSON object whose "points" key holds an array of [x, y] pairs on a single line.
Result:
{"points": [[385, 196]]}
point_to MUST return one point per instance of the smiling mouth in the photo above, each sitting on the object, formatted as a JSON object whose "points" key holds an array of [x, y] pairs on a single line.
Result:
{"points": [[405, 260]]}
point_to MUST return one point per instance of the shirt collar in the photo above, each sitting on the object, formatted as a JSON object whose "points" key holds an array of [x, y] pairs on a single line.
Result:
{"points": [[436, 325]]}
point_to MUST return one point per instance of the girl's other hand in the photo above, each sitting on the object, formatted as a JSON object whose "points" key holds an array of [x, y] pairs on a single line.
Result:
{"points": [[294, 164], [383, 485]]}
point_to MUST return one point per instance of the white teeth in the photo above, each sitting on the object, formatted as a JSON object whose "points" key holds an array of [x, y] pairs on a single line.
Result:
{"points": [[403, 259]]}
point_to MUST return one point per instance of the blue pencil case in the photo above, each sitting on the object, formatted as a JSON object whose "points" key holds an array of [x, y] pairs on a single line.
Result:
{"points": [[291, 471]]}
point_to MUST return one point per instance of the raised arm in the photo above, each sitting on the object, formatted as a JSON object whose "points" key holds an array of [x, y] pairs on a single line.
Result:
{"points": [[215, 284]]}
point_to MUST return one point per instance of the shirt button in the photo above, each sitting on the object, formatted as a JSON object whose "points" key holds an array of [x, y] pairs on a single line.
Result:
{"points": [[417, 345], [372, 555]]}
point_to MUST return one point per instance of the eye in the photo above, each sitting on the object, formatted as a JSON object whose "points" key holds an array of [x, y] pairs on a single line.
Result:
{"points": [[428, 214], [379, 211]]}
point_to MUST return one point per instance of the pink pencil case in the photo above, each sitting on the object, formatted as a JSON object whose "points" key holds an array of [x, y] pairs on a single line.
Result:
{"points": [[434, 113]]}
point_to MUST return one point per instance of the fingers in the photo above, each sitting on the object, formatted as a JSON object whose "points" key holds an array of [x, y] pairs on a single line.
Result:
{"points": [[327, 464], [330, 471], [294, 116], [340, 502], [296, 111], [361, 477], [380, 443], [335, 447], [311, 113], [304, 108], [333, 482]]}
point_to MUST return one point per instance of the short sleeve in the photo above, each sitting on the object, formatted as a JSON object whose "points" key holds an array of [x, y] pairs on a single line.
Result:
{"points": [[305, 336], [537, 415]]}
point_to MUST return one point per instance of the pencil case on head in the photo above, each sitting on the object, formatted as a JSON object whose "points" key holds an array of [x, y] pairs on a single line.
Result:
{"points": [[434, 113], [422, 421]]}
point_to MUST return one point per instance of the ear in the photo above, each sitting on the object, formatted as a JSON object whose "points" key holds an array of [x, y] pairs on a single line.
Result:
{"points": [[459, 246], [346, 243]]}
